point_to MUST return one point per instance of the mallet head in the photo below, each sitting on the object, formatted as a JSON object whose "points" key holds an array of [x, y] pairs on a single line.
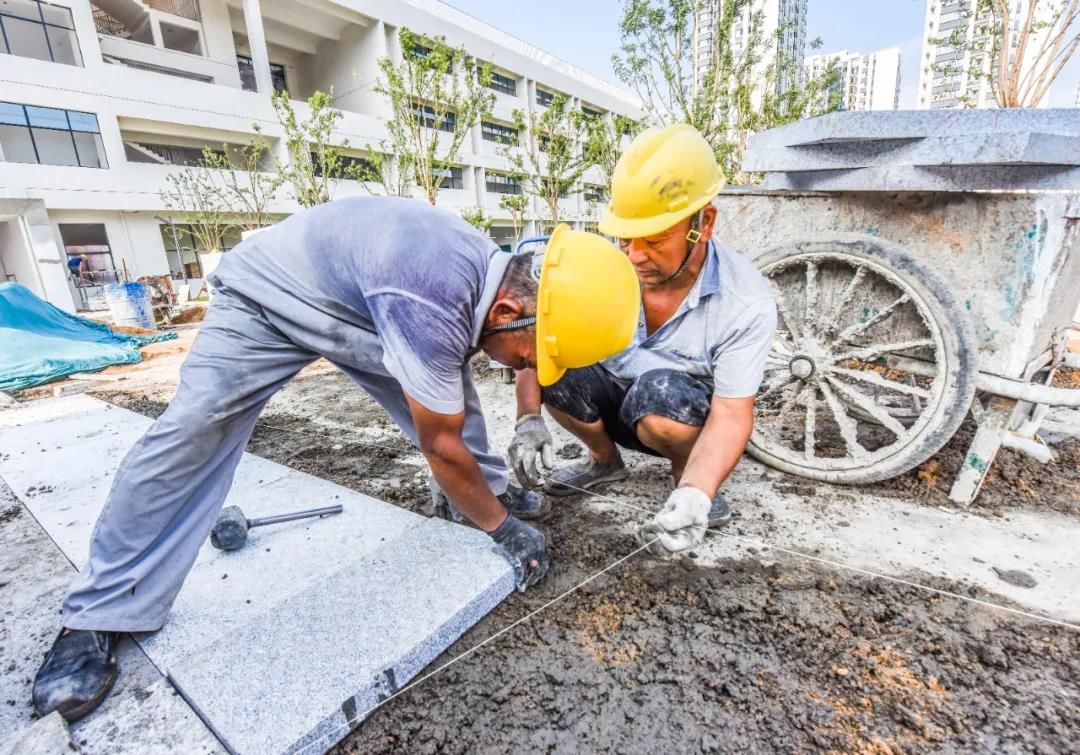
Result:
{"points": [[230, 530]]}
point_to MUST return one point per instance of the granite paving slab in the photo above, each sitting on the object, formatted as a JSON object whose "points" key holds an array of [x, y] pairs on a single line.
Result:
{"points": [[347, 643], [322, 615]]}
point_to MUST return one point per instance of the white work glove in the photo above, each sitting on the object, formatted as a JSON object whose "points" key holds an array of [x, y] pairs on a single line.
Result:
{"points": [[532, 452], [680, 525]]}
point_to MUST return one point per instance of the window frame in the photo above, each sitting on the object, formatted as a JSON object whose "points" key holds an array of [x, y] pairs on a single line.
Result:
{"points": [[499, 134], [545, 97], [452, 178], [505, 181], [69, 130], [500, 82], [426, 115], [45, 25]]}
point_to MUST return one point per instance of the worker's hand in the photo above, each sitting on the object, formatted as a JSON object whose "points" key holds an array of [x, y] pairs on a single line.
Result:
{"points": [[532, 452], [527, 549], [680, 525], [441, 506]]}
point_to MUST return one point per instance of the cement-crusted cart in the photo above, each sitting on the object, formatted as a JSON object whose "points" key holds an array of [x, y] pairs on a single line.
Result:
{"points": [[926, 264]]}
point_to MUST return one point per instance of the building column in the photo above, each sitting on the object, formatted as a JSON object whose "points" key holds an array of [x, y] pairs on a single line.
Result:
{"points": [[260, 58]]}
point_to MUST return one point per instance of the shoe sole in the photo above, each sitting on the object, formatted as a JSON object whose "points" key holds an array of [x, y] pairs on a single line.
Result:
{"points": [[565, 492], [718, 522], [75, 712], [539, 515]]}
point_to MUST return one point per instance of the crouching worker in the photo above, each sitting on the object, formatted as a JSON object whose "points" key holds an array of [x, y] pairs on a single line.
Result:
{"points": [[399, 295], [685, 387]]}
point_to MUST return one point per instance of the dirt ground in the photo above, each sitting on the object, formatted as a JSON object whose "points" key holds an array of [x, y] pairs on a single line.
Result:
{"points": [[669, 657]]}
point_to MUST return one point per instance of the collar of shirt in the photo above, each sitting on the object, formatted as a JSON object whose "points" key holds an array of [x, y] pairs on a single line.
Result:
{"points": [[497, 265], [707, 283]]}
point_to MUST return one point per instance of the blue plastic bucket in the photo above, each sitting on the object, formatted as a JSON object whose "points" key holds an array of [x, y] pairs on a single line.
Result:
{"points": [[129, 304]]}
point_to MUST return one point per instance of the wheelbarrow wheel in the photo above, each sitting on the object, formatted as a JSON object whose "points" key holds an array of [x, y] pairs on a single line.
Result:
{"points": [[874, 363]]}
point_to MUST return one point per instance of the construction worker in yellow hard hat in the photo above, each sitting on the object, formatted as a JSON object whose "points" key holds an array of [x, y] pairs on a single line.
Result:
{"points": [[684, 389], [399, 295]]}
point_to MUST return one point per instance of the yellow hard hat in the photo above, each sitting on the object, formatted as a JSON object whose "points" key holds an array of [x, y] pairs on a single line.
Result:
{"points": [[666, 174], [587, 305]]}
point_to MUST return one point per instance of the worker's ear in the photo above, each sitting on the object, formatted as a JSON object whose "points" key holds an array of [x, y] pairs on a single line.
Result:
{"points": [[506, 308], [708, 221]]}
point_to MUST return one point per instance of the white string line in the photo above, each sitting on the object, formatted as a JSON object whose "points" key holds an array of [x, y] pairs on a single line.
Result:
{"points": [[799, 554], [360, 717], [850, 567]]}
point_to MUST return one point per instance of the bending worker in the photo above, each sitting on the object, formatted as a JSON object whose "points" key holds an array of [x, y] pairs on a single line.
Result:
{"points": [[399, 295], [685, 387]]}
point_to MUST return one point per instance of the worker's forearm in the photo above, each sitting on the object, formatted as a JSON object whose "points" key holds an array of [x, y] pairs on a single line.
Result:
{"points": [[527, 390], [716, 452], [460, 478]]}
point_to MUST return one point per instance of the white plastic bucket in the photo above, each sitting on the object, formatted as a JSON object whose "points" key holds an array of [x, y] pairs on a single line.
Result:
{"points": [[129, 304]]}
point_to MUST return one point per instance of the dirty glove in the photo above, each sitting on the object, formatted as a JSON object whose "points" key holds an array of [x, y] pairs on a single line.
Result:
{"points": [[526, 548], [441, 506], [532, 452], [680, 525]]}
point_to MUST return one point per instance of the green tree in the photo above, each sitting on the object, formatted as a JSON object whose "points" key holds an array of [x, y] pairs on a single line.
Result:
{"points": [[198, 196], [1019, 54], [555, 147], [316, 160], [436, 93], [475, 217], [732, 95], [247, 189], [619, 129], [516, 205]]}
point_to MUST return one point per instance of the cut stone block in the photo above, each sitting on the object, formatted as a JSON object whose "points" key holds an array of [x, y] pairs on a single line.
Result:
{"points": [[270, 644], [46, 736], [355, 638]]}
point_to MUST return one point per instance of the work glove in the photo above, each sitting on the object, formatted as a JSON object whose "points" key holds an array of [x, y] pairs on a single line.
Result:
{"points": [[680, 525], [526, 548], [532, 452], [440, 504]]}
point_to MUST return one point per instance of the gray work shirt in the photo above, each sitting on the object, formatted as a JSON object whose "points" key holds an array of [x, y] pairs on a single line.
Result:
{"points": [[720, 334], [420, 277]]}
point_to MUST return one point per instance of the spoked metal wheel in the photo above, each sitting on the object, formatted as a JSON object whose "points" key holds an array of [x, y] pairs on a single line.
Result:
{"points": [[873, 366]]}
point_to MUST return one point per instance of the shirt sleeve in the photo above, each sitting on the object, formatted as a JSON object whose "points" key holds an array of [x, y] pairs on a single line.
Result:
{"points": [[739, 361], [424, 348]]}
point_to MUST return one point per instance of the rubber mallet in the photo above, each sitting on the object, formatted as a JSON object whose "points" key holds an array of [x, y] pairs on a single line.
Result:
{"points": [[231, 528]]}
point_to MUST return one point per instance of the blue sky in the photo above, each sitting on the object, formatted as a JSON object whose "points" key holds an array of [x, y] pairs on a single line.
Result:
{"points": [[585, 32]]}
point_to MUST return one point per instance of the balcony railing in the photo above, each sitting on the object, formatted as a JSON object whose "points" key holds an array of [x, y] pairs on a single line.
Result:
{"points": [[183, 8]]}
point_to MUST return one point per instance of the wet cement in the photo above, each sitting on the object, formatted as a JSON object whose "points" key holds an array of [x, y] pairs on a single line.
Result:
{"points": [[662, 657]]}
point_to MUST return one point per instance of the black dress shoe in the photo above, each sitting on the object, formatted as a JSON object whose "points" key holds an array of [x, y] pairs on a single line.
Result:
{"points": [[77, 673]]}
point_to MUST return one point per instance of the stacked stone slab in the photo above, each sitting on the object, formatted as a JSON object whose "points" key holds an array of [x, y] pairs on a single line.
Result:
{"points": [[942, 150], [288, 642]]}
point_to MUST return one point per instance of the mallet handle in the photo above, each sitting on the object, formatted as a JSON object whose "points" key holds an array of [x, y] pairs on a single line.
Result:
{"points": [[295, 515]]}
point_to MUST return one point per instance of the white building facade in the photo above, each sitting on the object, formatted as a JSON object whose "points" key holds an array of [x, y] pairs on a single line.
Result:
{"points": [[782, 26], [946, 78], [102, 100], [866, 82]]}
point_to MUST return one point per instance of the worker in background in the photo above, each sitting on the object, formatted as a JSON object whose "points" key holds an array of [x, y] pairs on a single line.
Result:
{"points": [[77, 266], [685, 387], [399, 295]]}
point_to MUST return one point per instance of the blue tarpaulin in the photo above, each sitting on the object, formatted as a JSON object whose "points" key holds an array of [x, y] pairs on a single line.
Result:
{"points": [[40, 342]]}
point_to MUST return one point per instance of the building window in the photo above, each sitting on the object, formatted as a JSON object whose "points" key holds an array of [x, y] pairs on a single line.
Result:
{"points": [[418, 51], [426, 115], [247, 74], [499, 183], [588, 112], [496, 132], [594, 193], [503, 84], [32, 29], [544, 97], [348, 167], [451, 178], [48, 136], [165, 154]]}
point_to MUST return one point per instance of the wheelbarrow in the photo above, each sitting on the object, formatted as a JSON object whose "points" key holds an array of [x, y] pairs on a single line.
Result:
{"points": [[926, 265]]}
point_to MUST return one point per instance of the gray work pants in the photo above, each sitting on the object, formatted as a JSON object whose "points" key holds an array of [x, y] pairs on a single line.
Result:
{"points": [[173, 482]]}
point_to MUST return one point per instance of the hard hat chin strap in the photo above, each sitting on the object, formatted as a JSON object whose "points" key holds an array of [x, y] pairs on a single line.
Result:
{"points": [[523, 322], [693, 236]]}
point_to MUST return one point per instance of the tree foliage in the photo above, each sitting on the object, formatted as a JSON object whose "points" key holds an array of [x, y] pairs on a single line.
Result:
{"points": [[315, 162], [436, 93], [1019, 54], [554, 148], [740, 90], [246, 188], [516, 205], [476, 217], [197, 194]]}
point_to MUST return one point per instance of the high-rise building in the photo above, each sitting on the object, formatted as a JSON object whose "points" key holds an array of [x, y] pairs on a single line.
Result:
{"points": [[947, 72], [782, 26], [103, 100], [865, 82]]}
